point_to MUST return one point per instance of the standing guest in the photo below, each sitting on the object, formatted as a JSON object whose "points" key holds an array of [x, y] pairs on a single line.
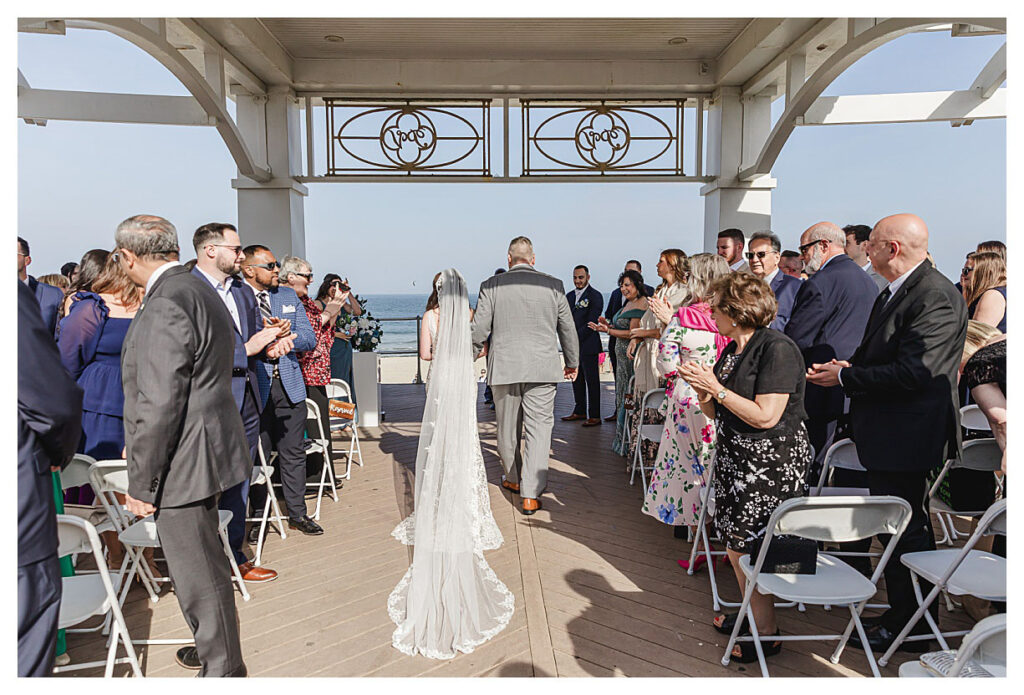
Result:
{"points": [[92, 264], [586, 304], [184, 437], [614, 304], [49, 421], [764, 256], [828, 320], [297, 274], [985, 375], [791, 264], [48, 296], [341, 348], [856, 248], [984, 276], [964, 274], [631, 285], [688, 439], [755, 394], [488, 393], [218, 260], [673, 269], [68, 270], [55, 280], [903, 380], [996, 247], [730, 247], [282, 387]]}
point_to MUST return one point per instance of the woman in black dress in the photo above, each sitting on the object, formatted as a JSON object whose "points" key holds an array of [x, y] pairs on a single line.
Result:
{"points": [[755, 392]]}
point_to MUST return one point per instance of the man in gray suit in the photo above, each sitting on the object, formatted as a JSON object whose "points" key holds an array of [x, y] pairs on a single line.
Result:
{"points": [[183, 432], [527, 316]]}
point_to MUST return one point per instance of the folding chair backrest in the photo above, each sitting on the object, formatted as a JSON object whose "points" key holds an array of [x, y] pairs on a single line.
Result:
{"points": [[109, 476], [985, 644], [842, 454], [980, 455], [313, 413], [76, 473], [994, 520], [841, 519], [72, 537], [653, 399], [340, 390], [972, 418]]}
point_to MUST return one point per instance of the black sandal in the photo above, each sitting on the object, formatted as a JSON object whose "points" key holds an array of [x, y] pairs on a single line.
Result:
{"points": [[748, 652], [729, 622]]}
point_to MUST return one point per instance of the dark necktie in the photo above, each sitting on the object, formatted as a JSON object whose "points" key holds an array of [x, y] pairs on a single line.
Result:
{"points": [[880, 303], [264, 300]]}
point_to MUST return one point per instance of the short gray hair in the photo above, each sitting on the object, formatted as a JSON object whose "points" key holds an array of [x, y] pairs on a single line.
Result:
{"points": [[293, 264], [520, 249], [705, 268], [827, 231], [770, 237], [147, 236]]}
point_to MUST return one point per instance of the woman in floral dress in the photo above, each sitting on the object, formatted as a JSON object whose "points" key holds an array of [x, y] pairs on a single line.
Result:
{"points": [[688, 438]]}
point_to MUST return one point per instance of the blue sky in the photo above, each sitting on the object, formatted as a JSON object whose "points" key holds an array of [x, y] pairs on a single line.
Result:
{"points": [[78, 180]]}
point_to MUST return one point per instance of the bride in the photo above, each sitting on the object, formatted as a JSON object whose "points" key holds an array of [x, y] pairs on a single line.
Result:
{"points": [[449, 600]]}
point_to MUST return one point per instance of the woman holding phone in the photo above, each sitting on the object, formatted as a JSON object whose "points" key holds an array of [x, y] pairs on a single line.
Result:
{"points": [[341, 350]]}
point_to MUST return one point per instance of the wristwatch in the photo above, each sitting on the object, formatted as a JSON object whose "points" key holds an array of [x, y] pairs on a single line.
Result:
{"points": [[720, 396]]}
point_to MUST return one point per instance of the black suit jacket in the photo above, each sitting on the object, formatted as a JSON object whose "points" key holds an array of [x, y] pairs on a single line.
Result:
{"points": [[50, 298], [49, 428], [182, 428], [904, 408], [590, 340], [828, 319]]}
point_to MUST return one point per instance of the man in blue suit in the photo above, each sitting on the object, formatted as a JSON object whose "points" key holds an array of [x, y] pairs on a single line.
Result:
{"points": [[49, 427], [586, 304], [763, 254], [48, 296], [282, 390], [218, 258], [828, 320], [614, 304]]}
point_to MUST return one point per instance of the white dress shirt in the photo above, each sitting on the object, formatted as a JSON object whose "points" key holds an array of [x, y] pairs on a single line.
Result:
{"points": [[158, 272], [898, 283], [224, 292], [579, 293]]}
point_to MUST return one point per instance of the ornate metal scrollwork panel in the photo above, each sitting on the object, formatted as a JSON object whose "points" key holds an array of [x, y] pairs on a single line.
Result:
{"points": [[602, 137], [408, 137]]}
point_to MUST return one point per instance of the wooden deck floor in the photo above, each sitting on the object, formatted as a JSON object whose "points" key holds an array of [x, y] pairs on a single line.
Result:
{"points": [[597, 588]]}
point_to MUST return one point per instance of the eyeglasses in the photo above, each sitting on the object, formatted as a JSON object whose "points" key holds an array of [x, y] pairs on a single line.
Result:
{"points": [[760, 254], [308, 276], [236, 249], [966, 271], [803, 248], [266, 266]]}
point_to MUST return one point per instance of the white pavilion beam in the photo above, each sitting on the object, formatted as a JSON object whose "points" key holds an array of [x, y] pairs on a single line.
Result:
{"points": [[992, 75], [777, 69], [97, 107], [914, 107]]}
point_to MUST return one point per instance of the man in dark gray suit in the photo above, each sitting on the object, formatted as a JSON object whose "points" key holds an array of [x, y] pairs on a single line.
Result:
{"points": [[527, 316], [49, 427], [183, 432]]}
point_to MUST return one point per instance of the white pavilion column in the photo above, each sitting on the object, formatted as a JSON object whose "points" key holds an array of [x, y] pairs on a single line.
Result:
{"points": [[272, 213], [737, 129]]}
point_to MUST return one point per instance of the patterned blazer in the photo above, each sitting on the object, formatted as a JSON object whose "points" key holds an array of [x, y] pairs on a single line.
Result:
{"points": [[285, 304]]}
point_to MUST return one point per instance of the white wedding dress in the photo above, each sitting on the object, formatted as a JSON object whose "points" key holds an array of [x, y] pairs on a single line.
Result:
{"points": [[449, 600]]}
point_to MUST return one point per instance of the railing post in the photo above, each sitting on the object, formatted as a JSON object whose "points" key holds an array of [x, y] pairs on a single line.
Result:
{"points": [[419, 379]]}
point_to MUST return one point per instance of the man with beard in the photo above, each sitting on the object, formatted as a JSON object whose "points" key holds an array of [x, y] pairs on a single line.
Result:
{"points": [[829, 315]]}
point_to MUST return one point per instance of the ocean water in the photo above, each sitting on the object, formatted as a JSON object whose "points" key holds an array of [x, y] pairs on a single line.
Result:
{"points": [[401, 335]]}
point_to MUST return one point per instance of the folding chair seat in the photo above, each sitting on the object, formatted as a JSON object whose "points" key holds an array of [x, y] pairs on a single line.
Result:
{"points": [[822, 519], [646, 433], [319, 445], [843, 455], [87, 595], [960, 572], [978, 455], [262, 475], [982, 654], [339, 389]]}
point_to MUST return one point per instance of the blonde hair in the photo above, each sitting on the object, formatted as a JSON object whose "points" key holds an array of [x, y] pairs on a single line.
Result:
{"points": [[521, 249], [705, 268], [56, 280], [978, 335], [113, 280], [989, 272]]}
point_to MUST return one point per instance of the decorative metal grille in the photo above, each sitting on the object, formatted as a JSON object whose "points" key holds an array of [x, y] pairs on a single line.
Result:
{"points": [[602, 138], [408, 137]]}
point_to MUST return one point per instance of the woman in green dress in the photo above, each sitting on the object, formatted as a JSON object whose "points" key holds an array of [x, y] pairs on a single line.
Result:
{"points": [[631, 284]]}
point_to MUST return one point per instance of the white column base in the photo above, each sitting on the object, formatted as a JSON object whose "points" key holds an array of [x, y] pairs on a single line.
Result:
{"points": [[272, 214], [366, 378]]}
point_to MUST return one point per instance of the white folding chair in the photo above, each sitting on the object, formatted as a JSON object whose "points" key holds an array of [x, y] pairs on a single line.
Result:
{"points": [[76, 474], [822, 519], [86, 595], [982, 654], [340, 390], [978, 455], [842, 454], [649, 433], [958, 571], [972, 418], [319, 445], [261, 475]]}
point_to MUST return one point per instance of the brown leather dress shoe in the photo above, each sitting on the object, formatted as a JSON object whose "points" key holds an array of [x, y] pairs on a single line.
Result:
{"points": [[592, 422], [611, 418], [514, 487], [530, 506], [257, 575], [574, 416]]}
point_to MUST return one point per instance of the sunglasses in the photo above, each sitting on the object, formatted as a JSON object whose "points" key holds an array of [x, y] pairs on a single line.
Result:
{"points": [[760, 254], [308, 276], [809, 244], [966, 271], [266, 266]]}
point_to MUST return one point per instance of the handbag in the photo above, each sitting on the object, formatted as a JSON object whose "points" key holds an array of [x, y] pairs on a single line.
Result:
{"points": [[787, 555], [343, 410]]}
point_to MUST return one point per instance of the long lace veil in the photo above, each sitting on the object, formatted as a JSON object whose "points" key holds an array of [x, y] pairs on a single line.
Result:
{"points": [[449, 600]]}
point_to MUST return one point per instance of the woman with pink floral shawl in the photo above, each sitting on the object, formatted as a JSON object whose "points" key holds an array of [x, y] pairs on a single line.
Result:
{"points": [[688, 439]]}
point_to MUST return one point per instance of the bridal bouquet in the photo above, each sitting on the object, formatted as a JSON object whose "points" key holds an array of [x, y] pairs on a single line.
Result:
{"points": [[365, 330]]}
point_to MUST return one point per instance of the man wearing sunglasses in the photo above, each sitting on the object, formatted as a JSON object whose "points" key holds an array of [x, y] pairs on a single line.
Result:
{"points": [[763, 255]]}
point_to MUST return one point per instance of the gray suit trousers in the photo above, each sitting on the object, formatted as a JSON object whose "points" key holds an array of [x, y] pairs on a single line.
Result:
{"points": [[201, 575], [525, 412]]}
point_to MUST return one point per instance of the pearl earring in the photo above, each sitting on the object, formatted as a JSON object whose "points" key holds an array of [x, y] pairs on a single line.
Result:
{"points": [[734, 324]]}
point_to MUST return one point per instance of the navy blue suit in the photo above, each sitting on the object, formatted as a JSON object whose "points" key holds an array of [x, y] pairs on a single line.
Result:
{"points": [[828, 320], [49, 428], [785, 288], [587, 387], [50, 298]]}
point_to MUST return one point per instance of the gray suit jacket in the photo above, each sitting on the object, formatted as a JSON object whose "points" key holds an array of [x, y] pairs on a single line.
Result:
{"points": [[527, 316], [182, 429]]}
